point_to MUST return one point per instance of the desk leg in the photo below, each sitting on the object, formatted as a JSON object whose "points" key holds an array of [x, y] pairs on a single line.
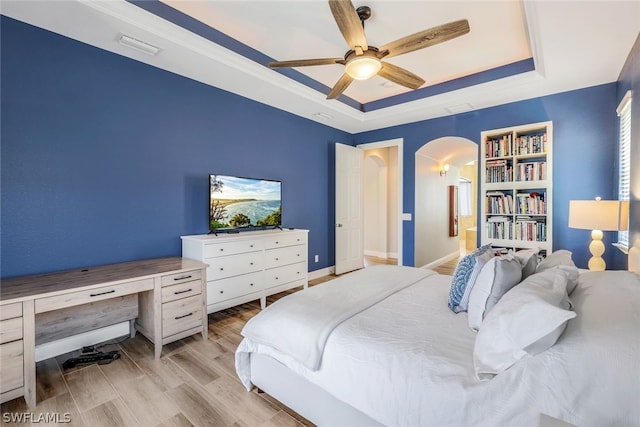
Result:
{"points": [[29, 343], [205, 313], [132, 328], [157, 317]]}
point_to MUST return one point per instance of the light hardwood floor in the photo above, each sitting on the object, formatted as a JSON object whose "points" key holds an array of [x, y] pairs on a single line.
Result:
{"points": [[193, 384]]}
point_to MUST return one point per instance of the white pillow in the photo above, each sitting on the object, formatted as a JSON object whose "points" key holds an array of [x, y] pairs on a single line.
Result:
{"points": [[497, 276], [527, 320], [481, 260], [529, 260], [554, 259], [561, 259]]}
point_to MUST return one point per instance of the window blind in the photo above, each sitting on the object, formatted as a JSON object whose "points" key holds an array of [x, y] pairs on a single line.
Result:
{"points": [[624, 162], [464, 197]]}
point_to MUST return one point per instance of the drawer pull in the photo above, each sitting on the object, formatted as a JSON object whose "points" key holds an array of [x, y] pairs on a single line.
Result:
{"points": [[277, 242], [221, 249], [277, 259], [221, 269], [222, 292], [277, 277], [182, 317], [250, 246], [182, 278], [250, 263], [250, 284], [102, 293], [182, 292]]}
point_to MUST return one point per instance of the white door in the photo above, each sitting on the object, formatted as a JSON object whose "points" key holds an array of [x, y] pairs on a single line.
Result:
{"points": [[349, 202]]}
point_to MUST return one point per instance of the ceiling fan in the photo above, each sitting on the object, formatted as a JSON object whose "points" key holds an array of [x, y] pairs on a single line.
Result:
{"points": [[363, 61]]}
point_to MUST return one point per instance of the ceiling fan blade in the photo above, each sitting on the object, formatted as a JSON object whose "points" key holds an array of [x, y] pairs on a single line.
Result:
{"points": [[427, 38], [306, 62], [349, 23], [400, 76], [340, 86]]}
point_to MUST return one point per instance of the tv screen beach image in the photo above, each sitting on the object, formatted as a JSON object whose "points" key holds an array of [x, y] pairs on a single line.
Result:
{"points": [[236, 202]]}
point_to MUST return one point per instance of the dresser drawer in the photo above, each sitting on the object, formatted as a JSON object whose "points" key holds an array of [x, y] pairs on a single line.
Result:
{"points": [[187, 276], [11, 361], [222, 290], [285, 239], [232, 248], [284, 256], [234, 265], [92, 295], [181, 315], [181, 290], [288, 273], [9, 311], [10, 330]]}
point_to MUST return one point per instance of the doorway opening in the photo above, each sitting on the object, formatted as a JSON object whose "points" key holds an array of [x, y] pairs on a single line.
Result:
{"points": [[441, 164], [382, 201]]}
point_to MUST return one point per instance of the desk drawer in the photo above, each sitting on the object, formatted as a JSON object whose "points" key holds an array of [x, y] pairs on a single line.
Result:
{"points": [[9, 311], [222, 290], [232, 248], [182, 290], [180, 315], [11, 361], [10, 330], [234, 265], [187, 276], [92, 295]]}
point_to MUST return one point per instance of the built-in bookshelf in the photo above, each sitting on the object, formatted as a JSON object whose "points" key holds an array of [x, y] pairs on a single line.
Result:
{"points": [[516, 186]]}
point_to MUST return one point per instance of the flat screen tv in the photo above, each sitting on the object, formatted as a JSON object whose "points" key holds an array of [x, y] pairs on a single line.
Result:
{"points": [[237, 202]]}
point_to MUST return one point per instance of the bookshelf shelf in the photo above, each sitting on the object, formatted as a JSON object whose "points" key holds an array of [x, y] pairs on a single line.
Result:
{"points": [[516, 186]]}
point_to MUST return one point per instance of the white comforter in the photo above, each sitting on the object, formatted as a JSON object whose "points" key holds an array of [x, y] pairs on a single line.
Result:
{"points": [[407, 361]]}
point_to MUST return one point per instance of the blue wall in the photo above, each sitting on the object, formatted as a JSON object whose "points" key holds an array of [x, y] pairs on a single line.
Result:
{"points": [[585, 153], [105, 159]]}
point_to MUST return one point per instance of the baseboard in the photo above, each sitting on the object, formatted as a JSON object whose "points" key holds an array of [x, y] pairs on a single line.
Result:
{"points": [[376, 254], [316, 274], [75, 342], [382, 255], [442, 260]]}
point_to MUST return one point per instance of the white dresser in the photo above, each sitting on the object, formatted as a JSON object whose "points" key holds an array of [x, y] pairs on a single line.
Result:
{"points": [[249, 265]]}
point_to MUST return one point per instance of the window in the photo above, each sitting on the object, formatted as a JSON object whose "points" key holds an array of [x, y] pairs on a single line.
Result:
{"points": [[624, 162], [464, 197]]}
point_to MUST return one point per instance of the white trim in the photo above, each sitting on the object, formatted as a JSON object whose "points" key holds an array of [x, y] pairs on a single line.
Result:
{"points": [[316, 274], [442, 260], [397, 142], [626, 99], [383, 255]]}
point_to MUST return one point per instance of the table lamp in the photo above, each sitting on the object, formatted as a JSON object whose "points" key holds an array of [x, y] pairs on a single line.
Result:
{"points": [[598, 216]]}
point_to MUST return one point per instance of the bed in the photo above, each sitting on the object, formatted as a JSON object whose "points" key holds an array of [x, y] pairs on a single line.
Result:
{"points": [[380, 346]]}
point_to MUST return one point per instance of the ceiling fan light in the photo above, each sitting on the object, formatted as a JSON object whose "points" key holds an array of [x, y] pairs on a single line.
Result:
{"points": [[363, 68]]}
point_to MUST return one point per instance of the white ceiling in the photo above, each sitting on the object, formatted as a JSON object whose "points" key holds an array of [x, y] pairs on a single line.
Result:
{"points": [[574, 44]]}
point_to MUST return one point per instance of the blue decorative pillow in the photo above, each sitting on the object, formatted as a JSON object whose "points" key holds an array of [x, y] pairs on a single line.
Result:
{"points": [[461, 277]]}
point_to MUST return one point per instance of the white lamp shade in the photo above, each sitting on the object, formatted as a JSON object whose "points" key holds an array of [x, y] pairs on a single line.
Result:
{"points": [[605, 215]]}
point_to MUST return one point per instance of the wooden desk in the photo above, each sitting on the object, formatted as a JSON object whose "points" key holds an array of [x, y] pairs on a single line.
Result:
{"points": [[170, 292]]}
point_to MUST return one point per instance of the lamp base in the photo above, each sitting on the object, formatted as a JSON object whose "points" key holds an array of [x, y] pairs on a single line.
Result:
{"points": [[596, 247]]}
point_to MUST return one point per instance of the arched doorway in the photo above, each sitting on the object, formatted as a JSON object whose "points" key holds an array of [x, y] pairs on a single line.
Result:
{"points": [[433, 244]]}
